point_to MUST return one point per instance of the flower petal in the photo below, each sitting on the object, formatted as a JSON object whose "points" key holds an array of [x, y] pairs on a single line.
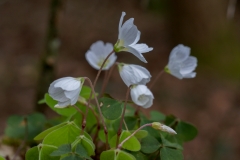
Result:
{"points": [[190, 75], [128, 34], [179, 53], [62, 104], [92, 59], [188, 65], [136, 53], [121, 21], [97, 48], [137, 38], [68, 84], [142, 48]]}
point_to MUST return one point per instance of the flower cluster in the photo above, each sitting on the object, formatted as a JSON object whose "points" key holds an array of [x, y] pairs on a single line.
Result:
{"points": [[101, 56]]}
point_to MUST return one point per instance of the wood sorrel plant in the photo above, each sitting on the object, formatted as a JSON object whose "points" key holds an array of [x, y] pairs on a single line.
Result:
{"points": [[97, 126]]}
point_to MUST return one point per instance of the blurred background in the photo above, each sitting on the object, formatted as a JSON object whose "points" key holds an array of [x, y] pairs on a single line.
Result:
{"points": [[42, 40]]}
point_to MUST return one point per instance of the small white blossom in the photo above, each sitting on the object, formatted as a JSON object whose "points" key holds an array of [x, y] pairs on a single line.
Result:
{"points": [[181, 64], [65, 90], [133, 74], [97, 54], [162, 127], [128, 37], [142, 96]]}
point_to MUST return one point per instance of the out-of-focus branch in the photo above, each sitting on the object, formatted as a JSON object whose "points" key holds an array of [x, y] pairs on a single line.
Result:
{"points": [[231, 9], [47, 61]]}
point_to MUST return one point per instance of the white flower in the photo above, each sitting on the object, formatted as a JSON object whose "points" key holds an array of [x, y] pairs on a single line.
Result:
{"points": [[65, 90], [142, 96], [97, 54], [162, 127], [128, 37], [133, 74], [180, 64]]}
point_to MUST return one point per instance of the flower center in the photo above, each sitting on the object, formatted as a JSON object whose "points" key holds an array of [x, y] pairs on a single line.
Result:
{"points": [[100, 62]]}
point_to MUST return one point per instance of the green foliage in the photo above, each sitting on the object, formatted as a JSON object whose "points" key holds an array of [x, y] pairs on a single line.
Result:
{"points": [[111, 108], [170, 154], [186, 131], [19, 126], [69, 111], [149, 144], [63, 149], [32, 153], [157, 116], [132, 144], [130, 121], [116, 155]]}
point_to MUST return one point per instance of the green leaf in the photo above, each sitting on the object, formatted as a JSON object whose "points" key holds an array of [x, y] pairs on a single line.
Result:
{"points": [[186, 131], [116, 155], [170, 120], [140, 134], [46, 132], [81, 151], [157, 116], [68, 111], [72, 157], [139, 156], [86, 91], [108, 155], [122, 155], [88, 145], [130, 121], [149, 144], [111, 108], [167, 143], [132, 144], [63, 149], [45, 151], [32, 154], [170, 154], [63, 135], [102, 137], [150, 130], [16, 126]]}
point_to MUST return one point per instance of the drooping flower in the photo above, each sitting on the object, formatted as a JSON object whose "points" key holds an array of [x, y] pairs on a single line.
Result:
{"points": [[162, 127], [128, 37], [97, 54], [66, 91], [142, 96], [181, 64], [133, 74]]}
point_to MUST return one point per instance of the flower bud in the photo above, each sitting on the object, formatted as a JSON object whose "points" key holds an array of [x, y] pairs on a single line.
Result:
{"points": [[162, 127]]}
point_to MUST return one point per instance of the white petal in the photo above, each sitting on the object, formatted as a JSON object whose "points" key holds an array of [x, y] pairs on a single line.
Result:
{"points": [[58, 95], [190, 75], [128, 34], [136, 53], [137, 38], [188, 65], [92, 60], [142, 96], [68, 84], [179, 53], [120, 22], [63, 104], [142, 48], [97, 48]]}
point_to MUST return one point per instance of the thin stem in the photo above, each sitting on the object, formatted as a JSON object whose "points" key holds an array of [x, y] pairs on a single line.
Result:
{"points": [[155, 80], [231, 9], [25, 138], [100, 70], [83, 118], [122, 118], [99, 110], [107, 79], [125, 124], [145, 125]]}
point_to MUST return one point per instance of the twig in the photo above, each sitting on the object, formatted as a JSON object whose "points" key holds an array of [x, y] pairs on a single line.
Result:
{"points": [[155, 80], [122, 118], [99, 110]]}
